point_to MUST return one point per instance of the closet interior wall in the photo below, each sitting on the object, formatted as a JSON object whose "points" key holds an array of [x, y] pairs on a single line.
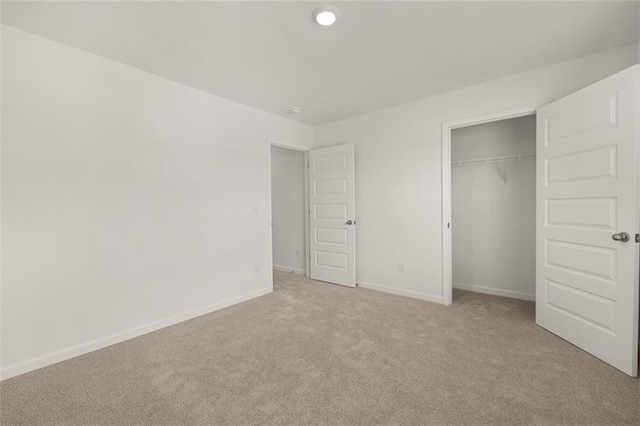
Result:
{"points": [[493, 207]]}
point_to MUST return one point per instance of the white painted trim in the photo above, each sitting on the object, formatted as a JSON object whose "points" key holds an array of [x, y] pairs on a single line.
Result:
{"points": [[289, 269], [447, 257], [307, 219], [74, 351], [495, 291], [447, 127], [399, 292], [269, 217], [272, 142]]}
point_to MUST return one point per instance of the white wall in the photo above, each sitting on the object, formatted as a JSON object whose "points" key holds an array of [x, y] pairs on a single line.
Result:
{"points": [[130, 202], [494, 222], [398, 167], [288, 206]]}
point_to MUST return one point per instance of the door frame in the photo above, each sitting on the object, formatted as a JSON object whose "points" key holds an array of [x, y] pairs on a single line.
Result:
{"points": [[305, 151], [447, 127]]}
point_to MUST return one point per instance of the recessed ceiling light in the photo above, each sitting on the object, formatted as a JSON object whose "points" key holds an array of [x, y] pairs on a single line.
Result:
{"points": [[325, 15], [295, 110]]}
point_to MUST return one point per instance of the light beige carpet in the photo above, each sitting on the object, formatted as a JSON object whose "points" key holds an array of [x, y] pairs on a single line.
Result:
{"points": [[322, 354]]}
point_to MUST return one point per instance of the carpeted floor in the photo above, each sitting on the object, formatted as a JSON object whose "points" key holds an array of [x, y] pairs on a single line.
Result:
{"points": [[318, 353]]}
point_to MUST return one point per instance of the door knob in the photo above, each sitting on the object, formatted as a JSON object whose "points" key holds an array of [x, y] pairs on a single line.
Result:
{"points": [[623, 237], [349, 222]]}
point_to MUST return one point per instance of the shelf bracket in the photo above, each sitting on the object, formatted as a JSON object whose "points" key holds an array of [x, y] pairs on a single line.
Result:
{"points": [[503, 172]]}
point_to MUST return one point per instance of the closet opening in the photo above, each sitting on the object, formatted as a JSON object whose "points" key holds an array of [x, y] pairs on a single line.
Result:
{"points": [[493, 208], [489, 206], [288, 204]]}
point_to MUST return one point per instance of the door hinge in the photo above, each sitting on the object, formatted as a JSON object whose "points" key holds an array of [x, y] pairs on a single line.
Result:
{"points": [[637, 238]]}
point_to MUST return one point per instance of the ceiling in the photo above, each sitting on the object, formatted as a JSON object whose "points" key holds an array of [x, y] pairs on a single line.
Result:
{"points": [[270, 55]]}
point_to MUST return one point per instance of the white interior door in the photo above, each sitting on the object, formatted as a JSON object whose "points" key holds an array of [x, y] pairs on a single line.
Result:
{"points": [[587, 197], [332, 223]]}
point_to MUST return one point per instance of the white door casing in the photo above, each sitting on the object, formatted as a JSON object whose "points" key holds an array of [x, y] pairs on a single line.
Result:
{"points": [[332, 223], [587, 192]]}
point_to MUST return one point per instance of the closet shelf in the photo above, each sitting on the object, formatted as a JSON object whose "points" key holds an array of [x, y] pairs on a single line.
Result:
{"points": [[498, 161], [493, 160]]}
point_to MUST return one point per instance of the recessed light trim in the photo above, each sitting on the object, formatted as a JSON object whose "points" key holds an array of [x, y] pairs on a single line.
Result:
{"points": [[325, 15]]}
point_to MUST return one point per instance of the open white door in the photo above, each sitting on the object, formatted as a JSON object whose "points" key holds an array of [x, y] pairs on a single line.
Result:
{"points": [[587, 203], [332, 245]]}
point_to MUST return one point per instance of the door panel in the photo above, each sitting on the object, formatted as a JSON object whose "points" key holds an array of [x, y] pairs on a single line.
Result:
{"points": [[587, 159], [332, 206]]}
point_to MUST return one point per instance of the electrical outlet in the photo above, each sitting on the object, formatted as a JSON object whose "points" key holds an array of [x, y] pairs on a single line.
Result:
{"points": [[297, 252], [401, 268]]}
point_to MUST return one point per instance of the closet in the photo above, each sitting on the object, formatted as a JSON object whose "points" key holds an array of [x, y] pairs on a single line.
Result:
{"points": [[493, 201]]}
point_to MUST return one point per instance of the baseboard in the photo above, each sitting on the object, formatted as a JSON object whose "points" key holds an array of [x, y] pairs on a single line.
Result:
{"points": [[289, 269], [72, 352], [400, 292], [495, 291]]}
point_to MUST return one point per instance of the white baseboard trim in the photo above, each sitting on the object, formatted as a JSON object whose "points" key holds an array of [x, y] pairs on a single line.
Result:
{"points": [[289, 269], [495, 291], [74, 351], [399, 292]]}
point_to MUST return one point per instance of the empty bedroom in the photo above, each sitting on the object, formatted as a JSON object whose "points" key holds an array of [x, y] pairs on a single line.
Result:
{"points": [[308, 212]]}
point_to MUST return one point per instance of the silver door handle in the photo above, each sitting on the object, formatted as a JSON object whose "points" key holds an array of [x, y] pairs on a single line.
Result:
{"points": [[349, 222], [623, 237]]}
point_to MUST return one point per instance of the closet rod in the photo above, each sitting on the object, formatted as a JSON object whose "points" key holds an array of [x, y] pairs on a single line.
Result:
{"points": [[492, 160]]}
